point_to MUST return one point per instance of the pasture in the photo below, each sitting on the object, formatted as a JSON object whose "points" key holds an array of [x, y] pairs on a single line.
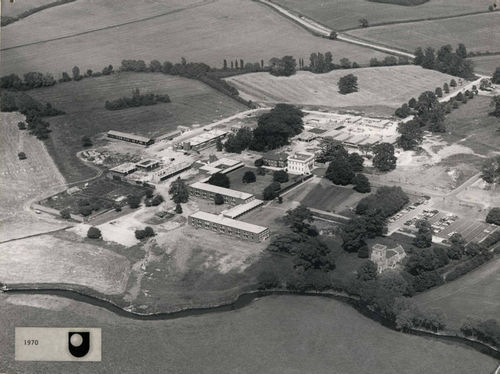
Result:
{"points": [[378, 86], [473, 127], [206, 31], [83, 102], [476, 294], [476, 32], [486, 64], [345, 14], [284, 333], [22, 181]]}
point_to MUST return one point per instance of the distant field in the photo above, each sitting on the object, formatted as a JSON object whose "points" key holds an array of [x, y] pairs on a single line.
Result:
{"points": [[207, 31], [471, 124], [476, 32], [83, 102], [23, 180], [345, 14], [278, 334], [476, 294], [383, 86], [486, 64], [15, 8]]}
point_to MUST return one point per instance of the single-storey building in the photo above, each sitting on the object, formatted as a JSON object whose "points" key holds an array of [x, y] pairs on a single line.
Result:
{"points": [[123, 169], [227, 226], [275, 159], [131, 138], [208, 191]]}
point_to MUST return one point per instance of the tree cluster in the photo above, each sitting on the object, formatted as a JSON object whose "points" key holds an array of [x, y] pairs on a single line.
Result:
{"points": [[283, 67], [272, 191], [446, 60], [178, 191], [383, 157], [490, 171], [237, 143], [387, 201], [220, 180], [144, 234], [137, 99], [343, 165], [323, 63], [486, 331], [389, 61], [494, 216]]}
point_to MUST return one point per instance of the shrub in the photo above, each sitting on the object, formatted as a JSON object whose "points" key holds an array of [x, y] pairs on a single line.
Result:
{"points": [[280, 176], [218, 199], [86, 141], [21, 126], [157, 200], [272, 191], [259, 162], [219, 179], [494, 216], [94, 233], [65, 213], [178, 209], [249, 177], [133, 201], [21, 156]]}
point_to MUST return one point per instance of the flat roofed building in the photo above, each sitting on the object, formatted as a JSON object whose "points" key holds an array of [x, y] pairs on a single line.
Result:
{"points": [[241, 209], [169, 171], [148, 164], [131, 138], [204, 140], [124, 169], [223, 166], [208, 191], [301, 163], [275, 159], [228, 226]]}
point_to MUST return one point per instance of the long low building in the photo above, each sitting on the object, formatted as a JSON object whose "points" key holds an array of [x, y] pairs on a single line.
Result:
{"points": [[131, 138], [241, 209], [208, 191], [228, 226]]}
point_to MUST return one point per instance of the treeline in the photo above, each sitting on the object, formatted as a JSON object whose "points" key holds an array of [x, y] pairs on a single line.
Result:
{"points": [[485, 331], [274, 129], [445, 60], [32, 109], [136, 100]]}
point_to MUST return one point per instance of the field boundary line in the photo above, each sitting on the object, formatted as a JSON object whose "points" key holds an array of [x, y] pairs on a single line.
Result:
{"points": [[35, 235], [192, 6]]}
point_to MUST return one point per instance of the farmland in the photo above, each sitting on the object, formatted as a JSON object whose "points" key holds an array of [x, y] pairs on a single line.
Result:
{"points": [[477, 36], [475, 294], [24, 180], [380, 86], [83, 102], [314, 335], [345, 14], [207, 31], [486, 64]]}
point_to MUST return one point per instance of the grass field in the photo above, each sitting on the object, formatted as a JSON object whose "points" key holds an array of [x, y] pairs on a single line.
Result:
{"points": [[345, 14], [473, 127], [23, 180], [279, 334], [486, 64], [208, 32], [476, 294], [83, 102], [476, 32], [380, 86]]}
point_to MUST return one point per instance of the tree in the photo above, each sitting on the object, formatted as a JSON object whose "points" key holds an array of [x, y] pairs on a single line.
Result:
{"points": [[261, 171], [22, 156], [340, 172], [86, 141], [65, 213], [236, 143], [490, 171], [220, 180], [356, 161], [367, 271], [285, 66], [495, 103], [453, 83], [140, 234], [218, 199], [461, 51], [76, 73], [133, 201], [363, 22], [493, 216], [299, 219], [259, 162], [348, 84], [411, 135], [157, 200], [94, 233], [403, 111], [218, 145], [419, 56], [249, 177], [496, 76], [429, 58], [280, 176], [333, 35], [423, 239], [446, 88], [384, 158], [21, 125], [272, 191], [439, 92], [345, 63], [178, 208], [364, 252], [155, 66], [331, 149], [457, 247], [386, 201], [361, 183], [178, 191]]}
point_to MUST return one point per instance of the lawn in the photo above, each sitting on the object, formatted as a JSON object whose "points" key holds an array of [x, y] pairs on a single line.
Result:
{"points": [[345, 14], [23, 181], [476, 294], [473, 127], [83, 102], [278, 334], [486, 64], [206, 31], [379, 86], [262, 181], [476, 32]]}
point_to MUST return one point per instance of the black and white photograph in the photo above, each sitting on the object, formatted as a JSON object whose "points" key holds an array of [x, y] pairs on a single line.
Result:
{"points": [[250, 186]]}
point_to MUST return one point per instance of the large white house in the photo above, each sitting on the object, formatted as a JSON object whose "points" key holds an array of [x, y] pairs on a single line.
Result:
{"points": [[301, 163]]}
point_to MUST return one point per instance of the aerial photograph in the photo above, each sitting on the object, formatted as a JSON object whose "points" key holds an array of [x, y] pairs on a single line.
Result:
{"points": [[250, 186]]}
